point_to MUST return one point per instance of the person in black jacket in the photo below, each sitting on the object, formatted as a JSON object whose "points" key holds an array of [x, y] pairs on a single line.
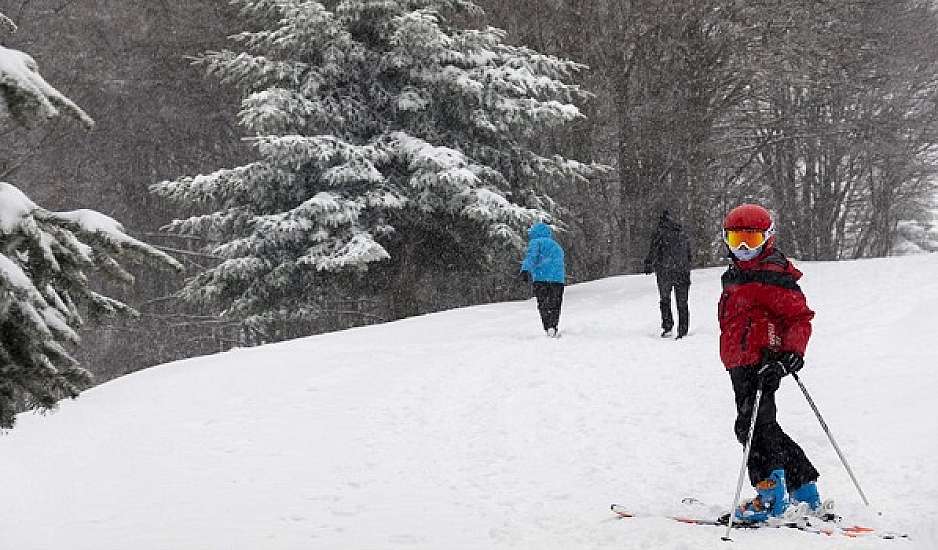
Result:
{"points": [[670, 258]]}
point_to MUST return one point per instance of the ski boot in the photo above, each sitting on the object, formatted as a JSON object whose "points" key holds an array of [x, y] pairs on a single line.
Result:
{"points": [[770, 502], [807, 494]]}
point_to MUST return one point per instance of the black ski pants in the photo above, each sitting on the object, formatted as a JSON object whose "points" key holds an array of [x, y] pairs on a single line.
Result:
{"points": [[680, 282], [771, 447], [549, 299]]}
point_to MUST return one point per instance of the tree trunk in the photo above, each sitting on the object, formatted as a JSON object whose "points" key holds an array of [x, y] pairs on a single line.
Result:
{"points": [[402, 299]]}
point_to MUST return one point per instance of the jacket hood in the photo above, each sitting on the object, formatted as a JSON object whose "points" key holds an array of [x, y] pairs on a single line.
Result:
{"points": [[540, 231]]}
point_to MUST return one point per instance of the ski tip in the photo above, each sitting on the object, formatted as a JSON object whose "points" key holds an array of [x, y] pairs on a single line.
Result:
{"points": [[620, 511]]}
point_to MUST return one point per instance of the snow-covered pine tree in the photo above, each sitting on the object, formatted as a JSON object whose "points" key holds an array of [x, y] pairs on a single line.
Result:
{"points": [[390, 142], [44, 261]]}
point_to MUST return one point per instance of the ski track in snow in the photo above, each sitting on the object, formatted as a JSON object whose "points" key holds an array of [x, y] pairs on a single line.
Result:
{"points": [[469, 429]]}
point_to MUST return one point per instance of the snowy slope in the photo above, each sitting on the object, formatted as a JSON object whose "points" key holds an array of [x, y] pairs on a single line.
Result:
{"points": [[469, 429]]}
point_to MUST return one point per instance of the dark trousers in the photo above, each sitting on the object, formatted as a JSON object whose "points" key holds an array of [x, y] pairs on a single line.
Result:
{"points": [[549, 299], [771, 447], [680, 282]]}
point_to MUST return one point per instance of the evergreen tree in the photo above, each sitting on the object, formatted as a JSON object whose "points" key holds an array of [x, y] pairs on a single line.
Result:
{"points": [[44, 260], [390, 142]]}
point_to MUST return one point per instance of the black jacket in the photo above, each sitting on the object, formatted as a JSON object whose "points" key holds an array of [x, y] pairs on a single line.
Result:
{"points": [[670, 248]]}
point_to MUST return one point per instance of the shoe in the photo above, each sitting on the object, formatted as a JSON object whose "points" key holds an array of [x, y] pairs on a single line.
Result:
{"points": [[771, 500], [680, 335], [807, 494], [553, 332], [666, 333]]}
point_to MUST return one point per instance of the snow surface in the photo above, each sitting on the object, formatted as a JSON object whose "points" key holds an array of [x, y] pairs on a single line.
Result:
{"points": [[469, 429]]}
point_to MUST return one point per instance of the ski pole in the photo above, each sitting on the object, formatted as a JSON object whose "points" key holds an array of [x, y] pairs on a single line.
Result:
{"points": [[831, 437], [742, 469]]}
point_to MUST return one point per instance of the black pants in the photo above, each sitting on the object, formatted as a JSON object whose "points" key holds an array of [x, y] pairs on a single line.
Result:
{"points": [[771, 447], [680, 282], [549, 299]]}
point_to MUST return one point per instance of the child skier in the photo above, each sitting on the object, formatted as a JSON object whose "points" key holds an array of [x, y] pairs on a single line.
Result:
{"points": [[544, 267], [765, 325]]}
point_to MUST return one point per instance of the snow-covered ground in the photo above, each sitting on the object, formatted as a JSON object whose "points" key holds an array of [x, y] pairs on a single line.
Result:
{"points": [[469, 429]]}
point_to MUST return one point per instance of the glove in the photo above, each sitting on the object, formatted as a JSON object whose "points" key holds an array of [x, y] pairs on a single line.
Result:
{"points": [[770, 375], [773, 370], [525, 276], [791, 361]]}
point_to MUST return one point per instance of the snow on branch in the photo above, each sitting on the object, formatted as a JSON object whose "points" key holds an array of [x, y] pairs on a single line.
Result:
{"points": [[225, 186], [322, 151], [15, 206], [25, 95], [13, 277], [7, 24], [252, 71], [26, 226], [358, 251], [94, 224]]}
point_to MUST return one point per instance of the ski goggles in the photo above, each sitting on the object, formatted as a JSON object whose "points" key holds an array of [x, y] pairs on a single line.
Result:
{"points": [[750, 238]]}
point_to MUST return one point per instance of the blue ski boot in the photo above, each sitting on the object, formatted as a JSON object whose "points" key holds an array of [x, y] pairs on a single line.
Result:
{"points": [[771, 500], [807, 494]]}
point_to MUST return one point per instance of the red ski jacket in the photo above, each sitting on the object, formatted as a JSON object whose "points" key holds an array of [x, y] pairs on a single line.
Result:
{"points": [[762, 308]]}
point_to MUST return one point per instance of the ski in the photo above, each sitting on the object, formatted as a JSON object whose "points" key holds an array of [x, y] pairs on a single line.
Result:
{"points": [[807, 525], [825, 523], [622, 512]]}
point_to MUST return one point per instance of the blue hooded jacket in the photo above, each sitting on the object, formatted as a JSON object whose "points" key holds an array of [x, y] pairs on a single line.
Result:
{"points": [[544, 260]]}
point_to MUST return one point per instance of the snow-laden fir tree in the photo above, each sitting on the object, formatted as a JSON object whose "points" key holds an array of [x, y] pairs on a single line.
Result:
{"points": [[45, 259], [390, 143]]}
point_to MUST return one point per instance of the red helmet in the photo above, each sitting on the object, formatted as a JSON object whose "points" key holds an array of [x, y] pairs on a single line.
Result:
{"points": [[751, 217], [748, 216]]}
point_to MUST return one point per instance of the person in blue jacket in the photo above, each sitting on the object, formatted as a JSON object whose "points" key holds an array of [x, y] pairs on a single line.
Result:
{"points": [[544, 267]]}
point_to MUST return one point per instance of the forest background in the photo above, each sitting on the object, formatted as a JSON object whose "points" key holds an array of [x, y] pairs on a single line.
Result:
{"points": [[825, 111]]}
